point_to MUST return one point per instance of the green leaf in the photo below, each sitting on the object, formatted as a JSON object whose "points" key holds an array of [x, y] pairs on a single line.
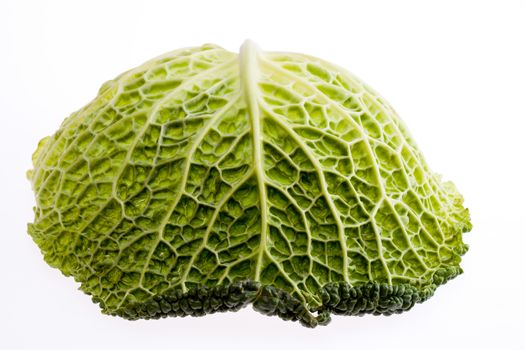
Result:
{"points": [[203, 181]]}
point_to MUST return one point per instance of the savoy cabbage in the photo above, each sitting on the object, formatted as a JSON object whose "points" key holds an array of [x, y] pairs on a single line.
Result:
{"points": [[203, 181]]}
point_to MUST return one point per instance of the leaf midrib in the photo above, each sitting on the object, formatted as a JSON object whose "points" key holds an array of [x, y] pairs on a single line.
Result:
{"points": [[249, 74]]}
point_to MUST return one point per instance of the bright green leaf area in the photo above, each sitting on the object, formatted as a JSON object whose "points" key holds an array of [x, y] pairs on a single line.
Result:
{"points": [[204, 180]]}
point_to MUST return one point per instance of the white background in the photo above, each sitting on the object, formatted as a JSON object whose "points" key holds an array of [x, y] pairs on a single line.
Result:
{"points": [[454, 71]]}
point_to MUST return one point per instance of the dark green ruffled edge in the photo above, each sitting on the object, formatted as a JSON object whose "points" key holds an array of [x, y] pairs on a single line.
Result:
{"points": [[337, 298]]}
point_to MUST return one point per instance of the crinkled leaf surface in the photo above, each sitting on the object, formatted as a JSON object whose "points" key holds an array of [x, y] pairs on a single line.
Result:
{"points": [[204, 180]]}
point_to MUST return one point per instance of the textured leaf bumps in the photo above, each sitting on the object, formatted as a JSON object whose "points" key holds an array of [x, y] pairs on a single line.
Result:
{"points": [[204, 180]]}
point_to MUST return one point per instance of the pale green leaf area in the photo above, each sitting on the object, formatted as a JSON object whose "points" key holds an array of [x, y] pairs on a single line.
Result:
{"points": [[204, 180]]}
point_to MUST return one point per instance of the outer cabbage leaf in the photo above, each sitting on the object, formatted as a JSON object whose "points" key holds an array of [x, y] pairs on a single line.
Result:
{"points": [[204, 180]]}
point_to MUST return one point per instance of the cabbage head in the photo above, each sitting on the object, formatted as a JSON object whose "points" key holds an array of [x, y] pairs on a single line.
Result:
{"points": [[204, 181]]}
